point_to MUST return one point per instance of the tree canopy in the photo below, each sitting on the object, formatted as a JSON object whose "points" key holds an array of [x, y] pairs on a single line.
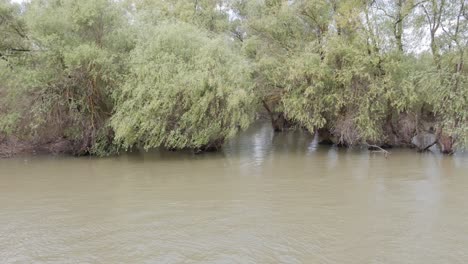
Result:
{"points": [[185, 90], [110, 75]]}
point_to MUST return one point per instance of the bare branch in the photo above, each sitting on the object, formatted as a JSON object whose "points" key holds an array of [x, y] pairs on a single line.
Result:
{"points": [[379, 150]]}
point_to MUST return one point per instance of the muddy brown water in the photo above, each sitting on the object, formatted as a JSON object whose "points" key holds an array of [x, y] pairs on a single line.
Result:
{"points": [[266, 198]]}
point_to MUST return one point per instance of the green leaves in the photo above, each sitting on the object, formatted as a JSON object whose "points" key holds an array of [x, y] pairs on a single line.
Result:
{"points": [[63, 85], [180, 74], [185, 90]]}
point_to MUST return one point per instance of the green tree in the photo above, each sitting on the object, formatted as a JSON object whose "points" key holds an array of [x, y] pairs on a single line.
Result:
{"points": [[445, 81], [186, 90], [77, 59], [275, 33], [12, 30], [191, 73], [207, 14]]}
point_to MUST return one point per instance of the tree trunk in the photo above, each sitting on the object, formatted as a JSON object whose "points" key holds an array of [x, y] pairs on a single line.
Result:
{"points": [[399, 26]]}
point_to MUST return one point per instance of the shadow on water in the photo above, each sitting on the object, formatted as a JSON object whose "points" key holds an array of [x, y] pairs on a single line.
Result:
{"points": [[258, 144], [260, 141]]}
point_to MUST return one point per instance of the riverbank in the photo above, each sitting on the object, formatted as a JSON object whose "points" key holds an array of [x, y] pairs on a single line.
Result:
{"points": [[426, 142], [12, 147]]}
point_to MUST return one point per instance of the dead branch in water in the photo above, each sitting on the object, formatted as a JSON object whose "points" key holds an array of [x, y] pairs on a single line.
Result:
{"points": [[380, 150]]}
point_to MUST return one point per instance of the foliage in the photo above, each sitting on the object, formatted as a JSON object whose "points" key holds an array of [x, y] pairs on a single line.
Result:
{"points": [[12, 30], [207, 14], [186, 90], [107, 74], [327, 65], [77, 59]]}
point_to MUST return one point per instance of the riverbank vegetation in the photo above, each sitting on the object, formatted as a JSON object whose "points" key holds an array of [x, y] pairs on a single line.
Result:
{"points": [[100, 76]]}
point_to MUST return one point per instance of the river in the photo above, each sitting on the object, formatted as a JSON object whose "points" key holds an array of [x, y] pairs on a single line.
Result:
{"points": [[266, 198]]}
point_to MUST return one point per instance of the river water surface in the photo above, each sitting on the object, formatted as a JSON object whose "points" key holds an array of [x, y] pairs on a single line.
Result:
{"points": [[267, 198]]}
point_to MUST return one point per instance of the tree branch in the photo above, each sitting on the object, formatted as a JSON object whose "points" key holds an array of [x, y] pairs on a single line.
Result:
{"points": [[380, 150]]}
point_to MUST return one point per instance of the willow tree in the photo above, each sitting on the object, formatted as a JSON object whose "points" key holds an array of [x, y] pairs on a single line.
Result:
{"points": [[12, 30], [210, 15], [275, 33], [188, 73], [76, 59], [322, 64], [394, 16], [186, 90], [336, 88], [445, 81], [13, 43]]}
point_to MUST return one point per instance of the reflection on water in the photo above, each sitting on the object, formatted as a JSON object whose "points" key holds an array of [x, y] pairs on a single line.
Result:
{"points": [[267, 198]]}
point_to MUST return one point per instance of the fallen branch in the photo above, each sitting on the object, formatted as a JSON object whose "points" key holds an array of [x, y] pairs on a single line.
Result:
{"points": [[380, 150]]}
